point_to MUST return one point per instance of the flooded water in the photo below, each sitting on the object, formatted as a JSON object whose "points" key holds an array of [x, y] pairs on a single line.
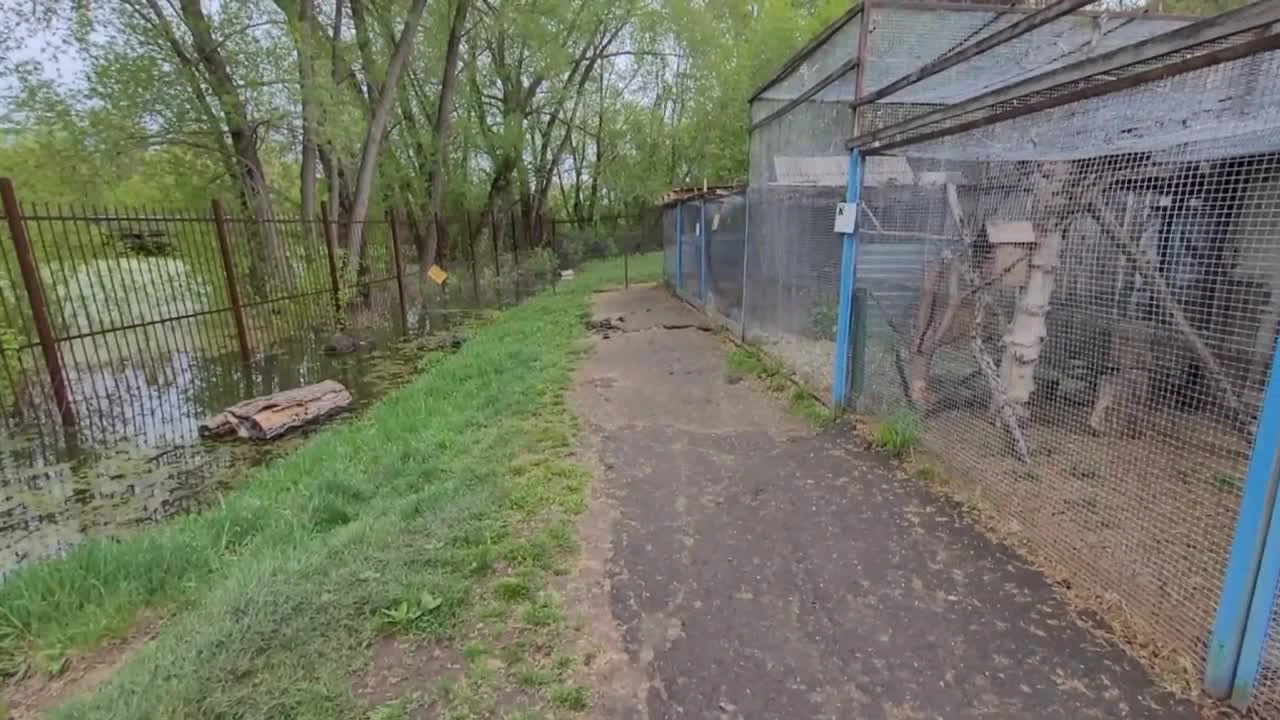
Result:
{"points": [[137, 457]]}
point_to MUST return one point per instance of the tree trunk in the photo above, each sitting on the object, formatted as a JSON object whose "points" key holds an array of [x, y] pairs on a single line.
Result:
{"points": [[270, 416], [443, 122], [306, 80], [1053, 203], [1024, 339], [376, 128], [269, 254]]}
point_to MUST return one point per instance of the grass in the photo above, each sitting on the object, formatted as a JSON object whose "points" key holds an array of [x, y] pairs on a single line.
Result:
{"points": [[397, 522], [897, 435], [744, 362]]}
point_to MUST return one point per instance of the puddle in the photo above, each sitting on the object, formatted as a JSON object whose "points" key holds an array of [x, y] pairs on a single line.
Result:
{"points": [[137, 457]]}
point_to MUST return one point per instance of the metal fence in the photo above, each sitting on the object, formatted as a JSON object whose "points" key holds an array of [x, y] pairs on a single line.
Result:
{"points": [[1064, 286], [113, 321]]}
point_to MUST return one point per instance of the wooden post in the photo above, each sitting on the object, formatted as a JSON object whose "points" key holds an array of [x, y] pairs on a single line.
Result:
{"points": [[393, 217], [331, 248], [233, 291], [39, 310]]}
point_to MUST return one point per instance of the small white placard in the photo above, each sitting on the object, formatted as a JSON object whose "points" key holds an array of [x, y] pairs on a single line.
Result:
{"points": [[715, 222], [846, 218]]}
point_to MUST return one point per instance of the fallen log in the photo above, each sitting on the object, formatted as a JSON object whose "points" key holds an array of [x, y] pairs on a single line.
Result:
{"points": [[270, 416]]}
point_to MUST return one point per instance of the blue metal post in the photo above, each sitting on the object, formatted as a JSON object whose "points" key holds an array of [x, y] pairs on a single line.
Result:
{"points": [[702, 251], [1248, 588], [848, 261], [679, 248]]}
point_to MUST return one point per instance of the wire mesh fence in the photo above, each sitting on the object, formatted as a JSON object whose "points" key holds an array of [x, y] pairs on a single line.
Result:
{"points": [[1069, 298], [1079, 323]]}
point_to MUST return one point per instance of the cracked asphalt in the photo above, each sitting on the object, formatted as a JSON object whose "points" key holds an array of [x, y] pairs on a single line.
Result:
{"points": [[738, 564]]}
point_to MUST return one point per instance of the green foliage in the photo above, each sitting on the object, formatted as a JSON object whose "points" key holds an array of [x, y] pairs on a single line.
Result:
{"points": [[803, 405], [572, 697], [899, 434], [823, 317], [742, 362], [387, 523]]}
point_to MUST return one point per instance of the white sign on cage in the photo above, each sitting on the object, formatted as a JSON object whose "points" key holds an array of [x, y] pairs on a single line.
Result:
{"points": [[846, 218]]}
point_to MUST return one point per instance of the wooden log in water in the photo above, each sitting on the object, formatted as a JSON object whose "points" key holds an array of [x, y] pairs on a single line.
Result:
{"points": [[270, 416]]}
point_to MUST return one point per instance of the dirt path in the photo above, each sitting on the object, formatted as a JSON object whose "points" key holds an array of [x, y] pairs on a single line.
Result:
{"points": [[738, 565]]}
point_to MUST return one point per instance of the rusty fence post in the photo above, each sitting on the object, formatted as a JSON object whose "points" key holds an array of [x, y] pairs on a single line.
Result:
{"points": [[331, 248], [39, 310], [233, 290], [392, 217]]}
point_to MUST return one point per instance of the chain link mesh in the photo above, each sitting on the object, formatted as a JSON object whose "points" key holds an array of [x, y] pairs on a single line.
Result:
{"points": [[1076, 310], [793, 279]]}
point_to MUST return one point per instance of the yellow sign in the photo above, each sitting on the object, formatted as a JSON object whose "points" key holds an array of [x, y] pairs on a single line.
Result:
{"points": [[437, 274]]}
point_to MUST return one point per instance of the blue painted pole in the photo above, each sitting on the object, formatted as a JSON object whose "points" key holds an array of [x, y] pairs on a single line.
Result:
{"points": [[848, 261], [702, 251], [679, 248], [1249, 584]]}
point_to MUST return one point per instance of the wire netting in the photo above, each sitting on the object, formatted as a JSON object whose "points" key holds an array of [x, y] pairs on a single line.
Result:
{"points": [[793, 279], [670, 220], [726, 219], [1074, 312], [690, 243]]}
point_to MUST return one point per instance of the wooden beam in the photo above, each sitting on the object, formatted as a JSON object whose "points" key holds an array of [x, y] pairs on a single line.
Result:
{"points": [[1040, 18], [1195, 62], [818, 87], [1208, 30]]}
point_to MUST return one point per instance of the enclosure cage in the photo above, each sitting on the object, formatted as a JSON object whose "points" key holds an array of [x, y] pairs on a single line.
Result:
{"points": [[799, 164], [1064, 280], [1081, 316]]}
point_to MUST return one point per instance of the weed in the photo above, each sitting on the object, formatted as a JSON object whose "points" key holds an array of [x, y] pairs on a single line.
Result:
{"points": [[744, 362], [1227, 482], [572, 697], [804, 406], [512, 589], [398, 710], [898, 435], [926, 472], [535, 677], [390, 522], [540, 613]]}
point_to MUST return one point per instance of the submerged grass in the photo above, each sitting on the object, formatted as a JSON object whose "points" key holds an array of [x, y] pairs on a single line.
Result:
{"points": [[397, 522]]}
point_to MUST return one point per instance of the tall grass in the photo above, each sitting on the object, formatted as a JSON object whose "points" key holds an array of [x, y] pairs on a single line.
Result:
{"points": [[275, 592]]}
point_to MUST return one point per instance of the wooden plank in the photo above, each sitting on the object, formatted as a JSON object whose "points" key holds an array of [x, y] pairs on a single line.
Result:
{"points": [[1184, 38]]}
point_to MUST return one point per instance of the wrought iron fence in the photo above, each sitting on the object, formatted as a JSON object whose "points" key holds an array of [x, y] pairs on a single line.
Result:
{"points": [[110, 317]]}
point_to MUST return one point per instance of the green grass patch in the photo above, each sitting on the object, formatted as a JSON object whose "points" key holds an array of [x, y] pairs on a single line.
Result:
{"points": [[744, 362], [898, 435], [394, 522], [571, 697]]}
